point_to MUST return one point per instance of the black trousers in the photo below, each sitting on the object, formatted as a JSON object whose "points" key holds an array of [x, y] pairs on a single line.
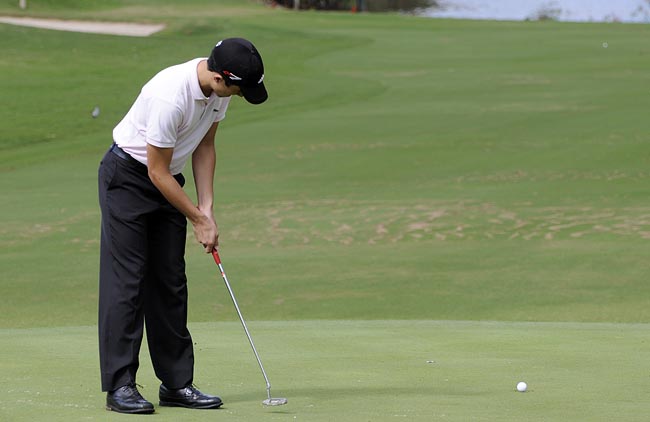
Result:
{"points": [[141, 277]]}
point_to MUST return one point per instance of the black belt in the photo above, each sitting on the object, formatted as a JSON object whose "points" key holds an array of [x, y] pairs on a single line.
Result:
{"points": [[123, 155], [138, 165]]}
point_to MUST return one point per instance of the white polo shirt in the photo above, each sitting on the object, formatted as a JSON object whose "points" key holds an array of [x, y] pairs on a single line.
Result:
{"points": [[170, 112]]}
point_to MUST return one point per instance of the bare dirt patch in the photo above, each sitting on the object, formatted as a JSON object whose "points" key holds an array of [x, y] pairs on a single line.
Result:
{"points": [[370, 222]]}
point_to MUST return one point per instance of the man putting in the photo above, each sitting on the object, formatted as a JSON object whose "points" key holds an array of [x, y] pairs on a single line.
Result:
{"points": [[144, 220]]}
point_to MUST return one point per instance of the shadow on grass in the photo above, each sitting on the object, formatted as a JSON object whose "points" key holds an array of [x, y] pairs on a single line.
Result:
{"points": [[353, 392]]}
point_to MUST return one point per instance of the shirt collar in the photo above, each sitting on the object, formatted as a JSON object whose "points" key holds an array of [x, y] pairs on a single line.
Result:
{"points": [[195, 88]]}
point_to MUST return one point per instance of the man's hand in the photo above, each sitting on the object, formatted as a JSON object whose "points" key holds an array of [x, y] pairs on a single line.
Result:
{"points": [[206, 232]]}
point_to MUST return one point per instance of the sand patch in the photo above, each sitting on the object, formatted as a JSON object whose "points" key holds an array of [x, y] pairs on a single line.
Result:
{"points": [[109, 28]]}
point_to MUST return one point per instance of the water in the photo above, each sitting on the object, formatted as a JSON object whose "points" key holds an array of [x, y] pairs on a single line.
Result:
{"points": [[562, 10]]}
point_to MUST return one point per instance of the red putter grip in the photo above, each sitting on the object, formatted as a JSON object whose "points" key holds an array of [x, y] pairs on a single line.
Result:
{"points": [[215, 255]]}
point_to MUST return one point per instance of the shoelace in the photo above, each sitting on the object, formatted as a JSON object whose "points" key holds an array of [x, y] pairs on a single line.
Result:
{"points": [[134, 386]]}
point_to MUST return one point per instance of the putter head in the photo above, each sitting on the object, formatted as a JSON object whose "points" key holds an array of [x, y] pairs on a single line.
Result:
{"points": [[275, 401]]}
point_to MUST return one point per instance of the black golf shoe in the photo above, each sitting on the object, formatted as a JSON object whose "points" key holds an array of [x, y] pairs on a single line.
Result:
{"points": [[127, 399], [188, 397]]}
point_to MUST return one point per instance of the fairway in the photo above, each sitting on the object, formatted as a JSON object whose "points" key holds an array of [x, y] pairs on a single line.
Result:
{"points": [[357, 371], [425, 213]]}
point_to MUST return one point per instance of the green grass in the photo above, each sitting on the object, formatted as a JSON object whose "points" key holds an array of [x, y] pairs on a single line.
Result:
{"points": [[357, 371], [403, 169]]}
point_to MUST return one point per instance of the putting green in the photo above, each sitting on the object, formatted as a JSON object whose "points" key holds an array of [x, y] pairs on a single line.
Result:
{"points": [[356, 371]]}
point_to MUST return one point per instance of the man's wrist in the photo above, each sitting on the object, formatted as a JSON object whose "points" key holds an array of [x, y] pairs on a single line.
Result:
{"points": [[197, 217], [205, 208]]}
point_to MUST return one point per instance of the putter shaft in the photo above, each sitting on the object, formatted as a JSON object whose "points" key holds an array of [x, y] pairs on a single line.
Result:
{"points": [[217, 259]]}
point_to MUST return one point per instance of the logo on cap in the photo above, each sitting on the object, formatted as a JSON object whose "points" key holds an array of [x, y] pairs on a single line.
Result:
{"points": [[235, 77]]}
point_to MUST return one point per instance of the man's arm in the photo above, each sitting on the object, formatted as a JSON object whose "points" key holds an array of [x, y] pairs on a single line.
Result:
{"points": [[158, 160], [203, 165]]}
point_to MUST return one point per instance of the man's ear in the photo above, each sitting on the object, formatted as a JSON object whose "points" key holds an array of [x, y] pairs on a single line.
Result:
{"points": [[217, 77]]}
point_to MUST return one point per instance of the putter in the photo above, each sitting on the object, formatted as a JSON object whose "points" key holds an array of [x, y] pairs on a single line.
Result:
{"points": [[275, 401]]}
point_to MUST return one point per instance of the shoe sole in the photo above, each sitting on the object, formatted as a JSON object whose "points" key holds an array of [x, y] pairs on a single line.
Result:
{"points": [[131, 412], [204, 406]]}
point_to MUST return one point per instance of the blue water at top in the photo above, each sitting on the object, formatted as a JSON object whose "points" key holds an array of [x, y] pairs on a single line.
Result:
{"points": [[562, 10]]}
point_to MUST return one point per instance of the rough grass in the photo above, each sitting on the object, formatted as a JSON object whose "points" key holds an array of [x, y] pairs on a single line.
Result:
{"points": [[491, 176]]}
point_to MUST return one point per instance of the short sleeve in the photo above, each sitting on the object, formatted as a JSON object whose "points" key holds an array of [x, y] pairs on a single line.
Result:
{"points": [[163, 120]]}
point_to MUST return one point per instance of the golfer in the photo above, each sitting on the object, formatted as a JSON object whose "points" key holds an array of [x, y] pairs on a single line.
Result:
{"points": [[144, 220]]}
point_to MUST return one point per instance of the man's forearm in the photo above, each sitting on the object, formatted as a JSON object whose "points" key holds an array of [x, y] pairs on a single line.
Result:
{"points": [[204, 161], [176, 196], [203, 166], [205, 229]]}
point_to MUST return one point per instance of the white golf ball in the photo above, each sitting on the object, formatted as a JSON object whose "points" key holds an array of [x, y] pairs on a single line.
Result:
{"points": [[522, 387]]}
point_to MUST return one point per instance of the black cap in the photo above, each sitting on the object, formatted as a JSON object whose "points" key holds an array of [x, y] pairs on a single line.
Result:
{"points": [[239, 61]]}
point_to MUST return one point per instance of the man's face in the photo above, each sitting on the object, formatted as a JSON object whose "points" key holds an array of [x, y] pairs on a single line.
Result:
{"points": [[223, 90]]}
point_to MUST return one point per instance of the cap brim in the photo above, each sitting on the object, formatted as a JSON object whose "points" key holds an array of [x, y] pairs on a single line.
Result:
{"points": [[255, 94]]}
